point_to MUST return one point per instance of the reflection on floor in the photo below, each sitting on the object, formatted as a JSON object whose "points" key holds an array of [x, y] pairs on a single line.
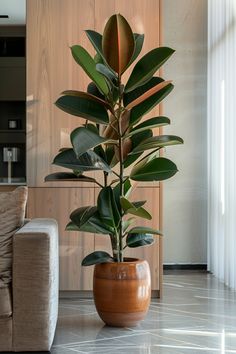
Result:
{"points": [[197, 314]]}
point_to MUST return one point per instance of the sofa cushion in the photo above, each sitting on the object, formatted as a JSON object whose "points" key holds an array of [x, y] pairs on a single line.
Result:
{"points": [[12, 213], [5, 301]]}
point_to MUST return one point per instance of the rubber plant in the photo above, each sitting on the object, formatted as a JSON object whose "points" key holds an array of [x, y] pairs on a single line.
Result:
{"points": [[116, 136]]}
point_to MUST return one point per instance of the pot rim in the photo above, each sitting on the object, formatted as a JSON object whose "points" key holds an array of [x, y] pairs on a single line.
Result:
{"points": [[127, 260]]}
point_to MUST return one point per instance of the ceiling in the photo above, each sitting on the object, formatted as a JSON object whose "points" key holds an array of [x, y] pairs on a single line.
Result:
{"points": [[15, 9]]}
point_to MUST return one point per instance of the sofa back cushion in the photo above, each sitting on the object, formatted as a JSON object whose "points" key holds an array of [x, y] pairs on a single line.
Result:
{"points": [[12, 214]]}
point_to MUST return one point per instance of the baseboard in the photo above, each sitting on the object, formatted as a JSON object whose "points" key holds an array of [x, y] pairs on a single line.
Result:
{"points": [[185, 266]]}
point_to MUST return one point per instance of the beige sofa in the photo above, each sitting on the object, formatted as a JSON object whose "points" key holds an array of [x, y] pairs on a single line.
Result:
{"points": [[29, 307]]}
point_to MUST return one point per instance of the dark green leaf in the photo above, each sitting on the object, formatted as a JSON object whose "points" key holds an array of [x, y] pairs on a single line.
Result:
{"points": [[156, 169], [96, 40], [139, 91], [127, 189], [149, 124], [84, 139], [130, 208], [67, 176], [139, 203], [84, 228], [138, 111], [87, 219], [136, 139], [157, 142], [83, 58], [144, 230], [89, 161], [96, 222], [88, 96], [83, 107], [138, 39], [147, 66], [146, 106], [97, 257], [81, 215], [109, 75], [107, 207], [138, 240], [93, 90]]}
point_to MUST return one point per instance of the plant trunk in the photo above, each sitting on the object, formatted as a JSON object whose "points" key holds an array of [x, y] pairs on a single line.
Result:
{"points": [[120, 231]]}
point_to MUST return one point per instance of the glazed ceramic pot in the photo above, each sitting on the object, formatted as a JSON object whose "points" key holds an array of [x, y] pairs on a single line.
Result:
{"points": [[122, 291]]}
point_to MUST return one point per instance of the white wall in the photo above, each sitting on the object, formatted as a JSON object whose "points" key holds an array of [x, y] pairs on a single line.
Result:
{"points": [[185, 30]]}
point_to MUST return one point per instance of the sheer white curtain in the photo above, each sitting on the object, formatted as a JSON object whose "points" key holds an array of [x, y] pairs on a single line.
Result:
{"points": [[222, 140]]}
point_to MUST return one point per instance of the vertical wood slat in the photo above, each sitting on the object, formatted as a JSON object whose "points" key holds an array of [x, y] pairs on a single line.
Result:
{"points": [[52, 27]]}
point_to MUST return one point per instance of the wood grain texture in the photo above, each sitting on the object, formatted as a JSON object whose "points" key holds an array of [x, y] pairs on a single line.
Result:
{"points": [[52, 27], [58, 203]]}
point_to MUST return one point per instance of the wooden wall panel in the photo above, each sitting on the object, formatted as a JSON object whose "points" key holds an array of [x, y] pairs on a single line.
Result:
{"points": [[58, 203], [52, 27]]}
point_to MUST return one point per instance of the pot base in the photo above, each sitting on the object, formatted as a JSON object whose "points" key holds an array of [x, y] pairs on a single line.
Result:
{"points": [[120, 319]]}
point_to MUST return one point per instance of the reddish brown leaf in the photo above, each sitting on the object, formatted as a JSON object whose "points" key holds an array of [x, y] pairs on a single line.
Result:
{"points": [[118, 43], [147, 94]]}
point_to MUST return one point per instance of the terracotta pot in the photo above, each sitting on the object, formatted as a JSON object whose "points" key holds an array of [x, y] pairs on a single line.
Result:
{"points": [[122, 291]]}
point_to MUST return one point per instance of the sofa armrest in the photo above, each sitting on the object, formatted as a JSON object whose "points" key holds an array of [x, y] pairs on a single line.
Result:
{"points": [[35, 285]]}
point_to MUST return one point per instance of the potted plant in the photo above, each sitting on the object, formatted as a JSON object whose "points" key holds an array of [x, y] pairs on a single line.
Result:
{"points": [[114, 137]]}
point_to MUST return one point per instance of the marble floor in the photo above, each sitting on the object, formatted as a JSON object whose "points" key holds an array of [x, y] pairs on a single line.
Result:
{"points": [[197, 314]]}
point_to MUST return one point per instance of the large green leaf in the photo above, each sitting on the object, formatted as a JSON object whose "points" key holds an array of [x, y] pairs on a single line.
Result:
{"points": [[109, 75], [84, 59], [67, 176], [87, 95], [93, 90], [146, 106], [127, 188], [147, 66], [157, 142], [138, 240], [87, 227], [84, 139], [139, 203], [146, 95], [136, 139], [118, 36], [97, 257], [129, 97], [144, 229], [130, 208], [81, 215], [157, 169], [107, 207], [89, 161], [83, 107], [138, 39], [87, 219], [149, 124], [138, 111], [96, 40]]}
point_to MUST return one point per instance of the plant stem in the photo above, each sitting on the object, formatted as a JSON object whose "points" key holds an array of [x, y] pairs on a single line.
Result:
{"points": [[121, 171], [105, 178]]}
